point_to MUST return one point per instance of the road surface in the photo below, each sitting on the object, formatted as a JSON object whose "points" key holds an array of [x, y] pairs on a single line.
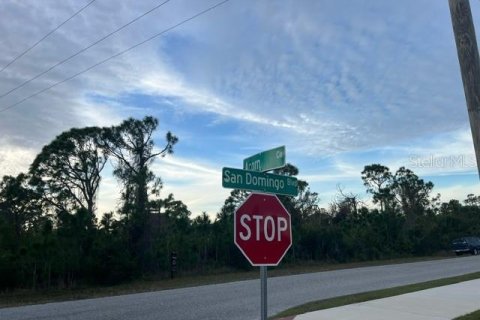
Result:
{"points": [[241, 299]]}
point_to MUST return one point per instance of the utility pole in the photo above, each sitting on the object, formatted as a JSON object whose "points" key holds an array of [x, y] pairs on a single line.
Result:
{"points": [[467, 51]]}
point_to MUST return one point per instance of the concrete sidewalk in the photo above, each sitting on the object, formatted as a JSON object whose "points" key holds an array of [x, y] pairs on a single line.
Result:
{"points": [[439, 303]]}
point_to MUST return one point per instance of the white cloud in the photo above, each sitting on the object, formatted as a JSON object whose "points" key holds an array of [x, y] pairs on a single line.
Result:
{"points": [[441, 154], [160, 84], [108, 196], [97, 114], [456, 192], [14, 159], [198, 185]]}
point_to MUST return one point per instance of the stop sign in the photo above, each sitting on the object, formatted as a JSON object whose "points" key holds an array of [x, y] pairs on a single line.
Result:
{"points": [[262, 229]]}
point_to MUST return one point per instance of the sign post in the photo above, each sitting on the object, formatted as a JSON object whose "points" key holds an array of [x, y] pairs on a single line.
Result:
{"points": [[262, 225], [265, 161], [263, 292], [263, 233]]}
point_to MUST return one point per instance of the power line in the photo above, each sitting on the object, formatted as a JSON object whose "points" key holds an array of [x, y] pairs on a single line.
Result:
{"points": [[82, 50], [113, 56], [45, 36]]}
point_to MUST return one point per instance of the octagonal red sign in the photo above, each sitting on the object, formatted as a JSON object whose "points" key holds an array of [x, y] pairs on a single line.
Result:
{"points": [[262, 229]]}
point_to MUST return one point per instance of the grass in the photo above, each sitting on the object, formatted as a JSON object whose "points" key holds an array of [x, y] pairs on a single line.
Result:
{"points": [[471, 316], [27, 296], [379, 294]]}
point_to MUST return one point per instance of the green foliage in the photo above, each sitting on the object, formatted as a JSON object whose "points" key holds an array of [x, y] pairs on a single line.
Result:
{"points": [[67, 171], [132, 147], [109, 262], [378, 181]]}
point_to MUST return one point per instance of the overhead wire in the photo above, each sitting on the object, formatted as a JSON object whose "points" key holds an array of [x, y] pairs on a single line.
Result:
{"points": [[82, 50], [46, 36], [114, 56]]}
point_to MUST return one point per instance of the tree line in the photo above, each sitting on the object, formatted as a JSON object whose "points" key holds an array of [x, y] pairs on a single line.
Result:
{"points": [[50, 236]]}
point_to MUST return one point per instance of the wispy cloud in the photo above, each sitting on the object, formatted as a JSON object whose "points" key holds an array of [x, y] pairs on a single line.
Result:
{"points": [[13, 159], [197, 185], [377, 83]]}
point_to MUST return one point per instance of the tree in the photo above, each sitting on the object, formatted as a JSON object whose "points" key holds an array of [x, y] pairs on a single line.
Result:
{"points": [[177, 213], [378, 179], [235, 198], [68, 169], [131, 144], [292, 204], [226, 253], [472, 200], [110, 262], [411, 193], [132, 147], [171, 227], [202, 227], [20, 205], [20, 214], [344, 205], [307, 204]]}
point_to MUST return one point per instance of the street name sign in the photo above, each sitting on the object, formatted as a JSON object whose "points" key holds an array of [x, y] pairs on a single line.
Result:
{"points": [[262, 229], [259, 181], [266, 160]]}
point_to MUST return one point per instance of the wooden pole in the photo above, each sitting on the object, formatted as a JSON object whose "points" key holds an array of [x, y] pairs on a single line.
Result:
{"points": [[467, 51]]}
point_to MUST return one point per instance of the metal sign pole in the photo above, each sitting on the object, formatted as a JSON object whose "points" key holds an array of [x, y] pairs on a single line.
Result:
{"points": [[263, 285]]}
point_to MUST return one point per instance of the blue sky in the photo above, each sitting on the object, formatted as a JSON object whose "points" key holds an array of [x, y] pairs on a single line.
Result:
{"points": [[341, 84]]}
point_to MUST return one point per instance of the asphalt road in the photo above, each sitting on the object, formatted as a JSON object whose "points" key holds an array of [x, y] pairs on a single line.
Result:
{"points": [[241, 300]]}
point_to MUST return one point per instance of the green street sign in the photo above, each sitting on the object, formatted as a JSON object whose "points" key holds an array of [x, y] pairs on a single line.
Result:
{"points": [[259, 181], [266, 160]]}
